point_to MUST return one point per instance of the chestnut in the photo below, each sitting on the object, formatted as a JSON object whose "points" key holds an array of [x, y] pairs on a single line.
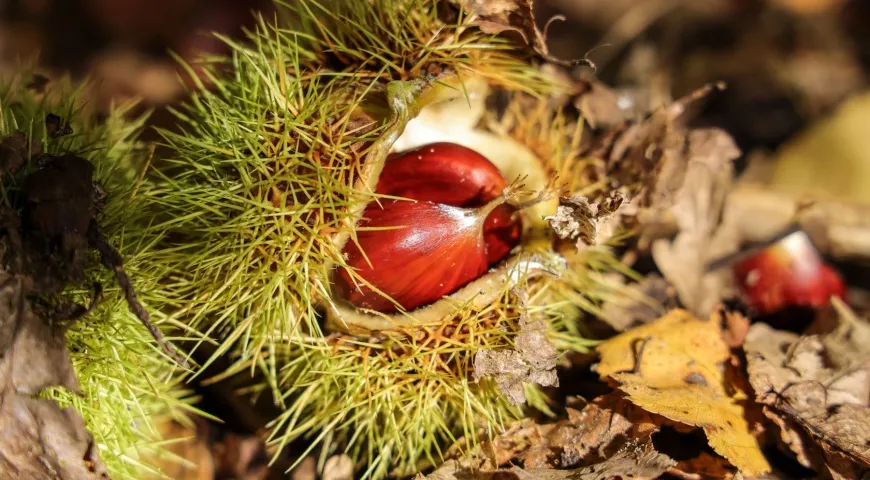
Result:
{"points": [[787, 273], [455, 175], [454, 227]]}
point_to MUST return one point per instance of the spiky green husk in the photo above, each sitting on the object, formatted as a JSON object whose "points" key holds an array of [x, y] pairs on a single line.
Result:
{"points": [[126, 381], [268, 167], [268, 174], [393, 403]]}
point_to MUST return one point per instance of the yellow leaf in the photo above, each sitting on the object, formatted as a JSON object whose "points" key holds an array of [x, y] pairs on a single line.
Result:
{"points": [[673, 367]]}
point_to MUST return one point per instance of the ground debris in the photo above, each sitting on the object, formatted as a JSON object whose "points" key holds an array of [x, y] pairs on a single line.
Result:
{"points": [[589, 223], [676, 175], [704, 235], [38, 438], [674, 367], [815, 401], [497, 16], [533, 360], [639, 303], [606, 438], [198, 450], [13, 152]]}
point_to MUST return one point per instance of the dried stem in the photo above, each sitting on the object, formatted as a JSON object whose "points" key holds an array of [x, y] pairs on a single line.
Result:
{"points": [[112, 260]]}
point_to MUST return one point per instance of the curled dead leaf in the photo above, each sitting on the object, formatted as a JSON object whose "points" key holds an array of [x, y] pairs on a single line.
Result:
{"points": [[497, 16], [533, 360], [590, 223], [704, 234]]}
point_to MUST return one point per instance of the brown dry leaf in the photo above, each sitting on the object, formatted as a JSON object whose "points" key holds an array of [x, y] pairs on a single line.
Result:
{"points": [[675, 175], [534, 360], [607, 427], [793, 377], [242, 457], [586, 436], [197, 450], [703, 234], [590, 223], [306, 470], [38, 439], [603, 108], [736, 326], [497, 16], [702, 467], [847, 345], [674, 367], [634, 460]]}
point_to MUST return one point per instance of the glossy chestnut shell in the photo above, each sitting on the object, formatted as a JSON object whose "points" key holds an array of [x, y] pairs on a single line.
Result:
{"points": [[417, 252]]}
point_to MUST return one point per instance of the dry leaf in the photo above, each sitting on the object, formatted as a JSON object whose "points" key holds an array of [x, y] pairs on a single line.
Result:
{"points": [[497, 16], [602, 107], [674, 367], [847, 345], [242, 457], [198, 450], [634, 460], [533, 360], [736, 326], [38, 439], [603, 428], [586, 436], [306, 470], [702, 467], [590, 223], [791, 376], [676, 175], [697, 208]]}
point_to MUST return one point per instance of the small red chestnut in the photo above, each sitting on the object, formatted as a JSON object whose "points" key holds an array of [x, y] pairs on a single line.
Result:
{"points": [[416, 252], [788, 273]]}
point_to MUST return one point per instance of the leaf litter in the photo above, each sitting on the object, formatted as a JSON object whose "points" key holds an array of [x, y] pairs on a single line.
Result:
{"points": [[816, 388], [678, 362], [669, 367]]}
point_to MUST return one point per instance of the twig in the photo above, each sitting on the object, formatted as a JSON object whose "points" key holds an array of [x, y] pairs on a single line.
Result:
{"points": [[112, 260]]}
